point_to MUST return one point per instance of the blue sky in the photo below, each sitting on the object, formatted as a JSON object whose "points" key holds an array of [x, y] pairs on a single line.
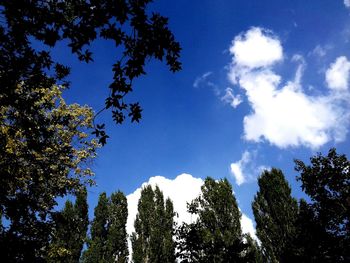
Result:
{"points": [[263, 83]]}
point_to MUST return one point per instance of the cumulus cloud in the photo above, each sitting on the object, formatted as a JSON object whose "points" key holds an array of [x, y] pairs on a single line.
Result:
{"points": [[248, 226], [184, 188], [283, 114], [256, 48], [245, 169], [337, 76], [230, 98]]}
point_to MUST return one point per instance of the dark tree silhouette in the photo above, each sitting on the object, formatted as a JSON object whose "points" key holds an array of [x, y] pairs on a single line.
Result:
{"points": [[275, 212], [141, 34], [327, 181], [108, 238], [70, 230], [44, 154]]}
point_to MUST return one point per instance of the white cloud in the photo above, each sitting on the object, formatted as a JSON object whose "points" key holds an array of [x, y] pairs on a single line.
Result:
{"points": [[202, 79], [245, 169], [238, 167], [256, 48], [184, 188], [283, 114], [337, 75], [248, 226], [347, 3], [230, 98], [320, 51]]}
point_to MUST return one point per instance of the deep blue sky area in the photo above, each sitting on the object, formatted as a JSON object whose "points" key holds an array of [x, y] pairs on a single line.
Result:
{"points": [[187, 128]]}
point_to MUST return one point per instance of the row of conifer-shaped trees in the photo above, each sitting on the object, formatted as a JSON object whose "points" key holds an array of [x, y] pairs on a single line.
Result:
{"points": [[288, 230]]}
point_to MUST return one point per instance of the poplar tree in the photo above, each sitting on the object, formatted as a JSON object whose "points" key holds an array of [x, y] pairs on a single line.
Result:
{"points": [[275, 212], [70, 231], [108, 239], [152, 239], [96, 246], [216, 235], [117, 244]]}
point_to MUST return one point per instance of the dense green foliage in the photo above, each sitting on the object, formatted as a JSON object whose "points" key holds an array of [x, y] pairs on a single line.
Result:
{"points": [[275, 212], [154, 226], [137, 34], [216, 234], [327, 181], [69, 236], [44, 154], [44, 144], [108, 241]]}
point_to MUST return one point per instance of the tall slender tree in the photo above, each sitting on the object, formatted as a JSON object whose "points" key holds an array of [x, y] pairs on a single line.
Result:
{"points": [[275, 212], [108, 241], [70, 231], [216, 235], [96, 247], [117, 244], [154, 227]]}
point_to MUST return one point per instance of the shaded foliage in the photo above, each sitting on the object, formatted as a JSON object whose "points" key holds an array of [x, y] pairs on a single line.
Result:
{"points": [[275, 212], [108, 239], [44, 154], [69, 235], [327, 181], [216, 235], [96, 249], [154, 227], [140, 34]]}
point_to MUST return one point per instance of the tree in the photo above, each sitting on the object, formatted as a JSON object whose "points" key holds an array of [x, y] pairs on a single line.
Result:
{"points": [[154, 227], [252, 253], [275, 212], [108, 241], [96, 246], [70, 231], [44, 154], [327, 182], [216, 235], [117, 244], [140, 35]]}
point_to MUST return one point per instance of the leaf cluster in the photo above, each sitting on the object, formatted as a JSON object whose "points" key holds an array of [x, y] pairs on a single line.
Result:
{"points": [[140, 35], [45, 150]]}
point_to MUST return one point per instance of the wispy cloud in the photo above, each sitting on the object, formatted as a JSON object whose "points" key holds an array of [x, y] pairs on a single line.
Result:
{"points": [[284, 115], [320, 51], [202, 80], [347, 3], [230, 98]]}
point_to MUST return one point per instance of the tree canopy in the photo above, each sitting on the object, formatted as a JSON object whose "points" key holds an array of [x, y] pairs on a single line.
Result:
{"points": [[140, 33], [275, 212], [327, 181], [216, 235], [70, 229], [152, 240], [108, 237], [45, 149]]}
